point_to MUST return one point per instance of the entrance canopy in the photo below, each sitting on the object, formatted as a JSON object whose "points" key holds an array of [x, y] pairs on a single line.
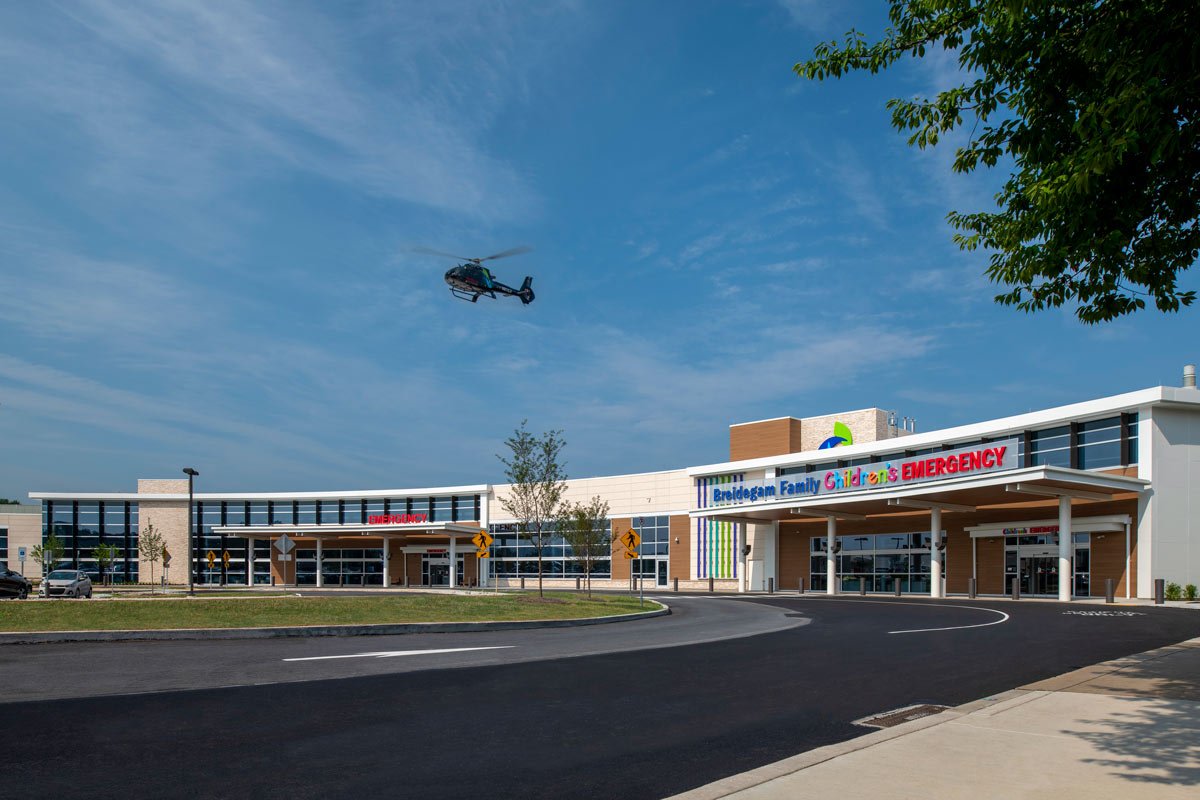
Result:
{"points": [[952, 494], [416, 529]]}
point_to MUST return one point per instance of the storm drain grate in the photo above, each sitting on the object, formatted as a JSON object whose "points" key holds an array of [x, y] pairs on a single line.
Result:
{"points": [[890, 719]]}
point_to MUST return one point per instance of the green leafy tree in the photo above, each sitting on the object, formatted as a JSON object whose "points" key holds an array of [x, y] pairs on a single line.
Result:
{"points": [[1096, 105], [105, 554], [537, 481], [48, 553], [585, 527], [150, 546]]}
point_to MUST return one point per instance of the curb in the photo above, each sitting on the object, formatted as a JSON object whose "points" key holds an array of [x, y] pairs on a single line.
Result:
{"points": [[308, 631]]}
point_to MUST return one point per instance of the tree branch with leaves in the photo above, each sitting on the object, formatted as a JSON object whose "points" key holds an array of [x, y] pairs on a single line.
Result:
{"points": [[150, 547], [1096, 105]]}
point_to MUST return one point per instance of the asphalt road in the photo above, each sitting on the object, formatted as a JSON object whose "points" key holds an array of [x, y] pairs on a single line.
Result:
{"points": [[568, 717]]}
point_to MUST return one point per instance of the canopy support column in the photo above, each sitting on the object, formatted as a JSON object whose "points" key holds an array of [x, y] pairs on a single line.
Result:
{"points": [[320, 564], [453, 562], [831, 586], [935, 552], [386, 545], [1066, 576]]}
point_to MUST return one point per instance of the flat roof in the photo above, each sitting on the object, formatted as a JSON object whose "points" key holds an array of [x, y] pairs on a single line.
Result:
{"points": [[362, 494], [1101, 407]]}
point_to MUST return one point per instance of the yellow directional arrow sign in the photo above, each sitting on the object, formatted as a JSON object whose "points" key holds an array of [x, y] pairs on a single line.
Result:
{"points": [[481, 553], [630, 554], [166, 556], [630, 539], [212, 559], [225, 559], [482, 540]]}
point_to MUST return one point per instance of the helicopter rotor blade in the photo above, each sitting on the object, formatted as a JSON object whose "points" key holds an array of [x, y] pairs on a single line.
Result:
{"points": [[429, 251], [516, 251]]}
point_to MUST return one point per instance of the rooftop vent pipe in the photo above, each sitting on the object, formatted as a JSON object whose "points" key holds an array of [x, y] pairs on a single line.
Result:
{"points": [[1189, 376]]}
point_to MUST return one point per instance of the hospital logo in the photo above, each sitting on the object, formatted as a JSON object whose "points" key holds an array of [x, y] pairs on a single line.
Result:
{"points": [[841, 436]]}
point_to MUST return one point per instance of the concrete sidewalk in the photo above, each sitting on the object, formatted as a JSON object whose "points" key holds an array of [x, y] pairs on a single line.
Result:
{"points": [[1128, 728]]}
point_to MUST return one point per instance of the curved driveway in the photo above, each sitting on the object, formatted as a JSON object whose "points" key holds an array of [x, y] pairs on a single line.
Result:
{"points": [[612, 721]]}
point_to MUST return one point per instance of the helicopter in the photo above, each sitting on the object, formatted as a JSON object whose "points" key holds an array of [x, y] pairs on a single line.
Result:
{"points": [[471, 280]]}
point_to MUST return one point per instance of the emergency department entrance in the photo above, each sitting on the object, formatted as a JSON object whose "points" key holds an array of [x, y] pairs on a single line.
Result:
{"points": [[934, 536]]}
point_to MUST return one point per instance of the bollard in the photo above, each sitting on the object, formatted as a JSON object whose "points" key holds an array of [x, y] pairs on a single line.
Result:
{"points": [[897, 582], [770, 586], [577, 584], [1110, 590], [406, 581], [1160, 591], [677, 584], [971, 588], [710, 583], [522, 582], [1016, 589], [862, 587], [801, 586]]}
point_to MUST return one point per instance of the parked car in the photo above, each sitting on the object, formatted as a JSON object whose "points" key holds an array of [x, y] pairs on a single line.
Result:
{"points": [[67, 583], [14, 584]]}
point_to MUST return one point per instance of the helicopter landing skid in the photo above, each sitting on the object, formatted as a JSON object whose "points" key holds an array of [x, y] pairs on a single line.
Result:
{"points": [[461, 295]]}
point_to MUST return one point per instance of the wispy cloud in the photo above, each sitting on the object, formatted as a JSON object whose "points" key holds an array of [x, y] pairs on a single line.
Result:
{"points": [[189, 96]]}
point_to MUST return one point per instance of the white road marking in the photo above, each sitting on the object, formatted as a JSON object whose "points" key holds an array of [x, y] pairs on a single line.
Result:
{"points": [[396, 653], [1003, 618]]}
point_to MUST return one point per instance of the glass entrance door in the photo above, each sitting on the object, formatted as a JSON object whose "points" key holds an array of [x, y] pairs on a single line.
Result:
{"points": [[1039, 575], [662, 573]]}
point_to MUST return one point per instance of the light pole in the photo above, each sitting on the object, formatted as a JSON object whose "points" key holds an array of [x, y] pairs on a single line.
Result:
{"points": [[191, 559]]}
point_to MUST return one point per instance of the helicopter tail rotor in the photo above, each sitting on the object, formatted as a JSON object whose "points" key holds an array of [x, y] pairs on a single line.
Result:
{"points": [[526, 291]]}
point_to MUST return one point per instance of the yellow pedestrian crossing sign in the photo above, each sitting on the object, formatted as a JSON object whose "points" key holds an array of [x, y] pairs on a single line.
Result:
{"points": [[212, 559], [631, 540], [483, 540]]}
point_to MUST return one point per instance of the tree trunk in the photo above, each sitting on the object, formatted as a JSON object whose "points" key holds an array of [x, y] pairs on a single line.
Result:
{"points": [[540, 595]]}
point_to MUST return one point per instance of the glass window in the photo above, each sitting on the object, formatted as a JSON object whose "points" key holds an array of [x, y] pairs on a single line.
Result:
{"points": [[1052, 447], [308, 513], [281, 513], [328, 512], [896, 541]]}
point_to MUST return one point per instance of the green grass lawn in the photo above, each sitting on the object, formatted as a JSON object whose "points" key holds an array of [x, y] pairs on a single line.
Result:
{"points": [[98, 615]]}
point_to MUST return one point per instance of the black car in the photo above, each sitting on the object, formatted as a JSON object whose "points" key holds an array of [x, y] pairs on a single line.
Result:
{"points": [[13, 584]]}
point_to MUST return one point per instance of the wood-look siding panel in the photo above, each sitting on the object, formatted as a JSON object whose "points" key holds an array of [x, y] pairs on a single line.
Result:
{"points": [[681, 553]]}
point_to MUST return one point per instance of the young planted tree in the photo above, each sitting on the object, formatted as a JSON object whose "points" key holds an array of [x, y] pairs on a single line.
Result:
{"points": [[150, 546], [48, 553], [537, 484], [105, 554], [586, 528]]}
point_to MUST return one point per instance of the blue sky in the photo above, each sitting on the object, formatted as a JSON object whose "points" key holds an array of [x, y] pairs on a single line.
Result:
{"points": [[207, 212]]}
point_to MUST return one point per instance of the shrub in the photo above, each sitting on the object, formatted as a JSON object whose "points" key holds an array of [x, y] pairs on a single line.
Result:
{"points": [[1173, 591], [1189, 591]]}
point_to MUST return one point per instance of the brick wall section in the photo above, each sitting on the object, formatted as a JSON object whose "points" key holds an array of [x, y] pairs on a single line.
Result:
{"points": [[770, 437], [958, 542], [989, 563], [775, 437], [793, 557], [681, 554], [162, 486], [169, 518], [24, 530]]}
